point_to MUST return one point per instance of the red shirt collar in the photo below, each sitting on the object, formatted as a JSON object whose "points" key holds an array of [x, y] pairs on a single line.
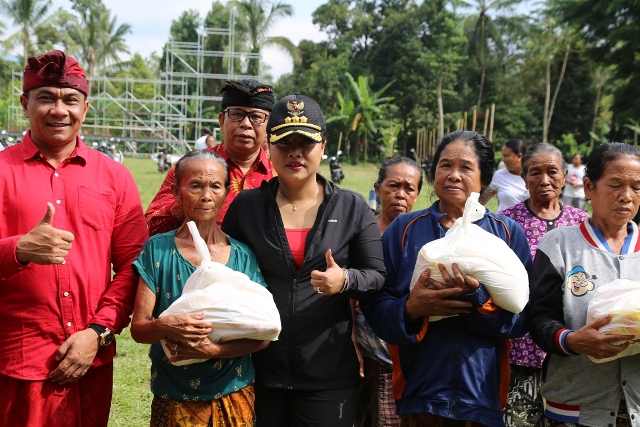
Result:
{"points": [[31, 150]]}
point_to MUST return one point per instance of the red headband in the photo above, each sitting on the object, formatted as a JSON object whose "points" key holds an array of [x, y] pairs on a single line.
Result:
{"points": [[54, 69]]}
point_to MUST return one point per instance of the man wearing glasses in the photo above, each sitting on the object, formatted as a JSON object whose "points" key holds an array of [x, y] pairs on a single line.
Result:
{"points": [[246, 105]]}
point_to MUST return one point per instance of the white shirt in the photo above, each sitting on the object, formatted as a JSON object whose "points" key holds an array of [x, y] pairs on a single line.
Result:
{"points": [[201, 143], [511, 188], [574, 175]]}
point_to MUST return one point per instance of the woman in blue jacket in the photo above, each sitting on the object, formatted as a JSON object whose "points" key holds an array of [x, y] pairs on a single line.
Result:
{"points": [[455, 370]]}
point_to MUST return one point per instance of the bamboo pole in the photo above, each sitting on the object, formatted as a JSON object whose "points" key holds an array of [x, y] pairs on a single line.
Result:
{"points": [[486, 121], [473, 120], [339, 141], [465, 121], [493, 115]]}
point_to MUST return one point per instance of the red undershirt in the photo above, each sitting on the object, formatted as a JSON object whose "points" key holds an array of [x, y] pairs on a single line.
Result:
{"points": [[297, 237]]}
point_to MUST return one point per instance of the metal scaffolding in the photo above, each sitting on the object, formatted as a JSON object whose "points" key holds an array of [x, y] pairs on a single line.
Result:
{"points": [[143, 114]]}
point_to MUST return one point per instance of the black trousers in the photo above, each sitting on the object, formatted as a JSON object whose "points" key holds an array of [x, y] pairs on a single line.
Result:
{"points": [[301, 408]]}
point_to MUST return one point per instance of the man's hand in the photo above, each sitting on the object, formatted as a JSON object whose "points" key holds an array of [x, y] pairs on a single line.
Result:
{"points": [[587, 340], [76, 355], [44, 244], [431, 298]]}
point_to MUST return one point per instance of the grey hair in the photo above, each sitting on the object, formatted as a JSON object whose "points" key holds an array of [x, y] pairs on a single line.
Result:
{"points": [[200, 155], [541, 148]]}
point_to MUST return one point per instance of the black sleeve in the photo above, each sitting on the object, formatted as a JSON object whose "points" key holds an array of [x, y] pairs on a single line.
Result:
{"points": [[546, 312], [366, 263], [230, 224]]}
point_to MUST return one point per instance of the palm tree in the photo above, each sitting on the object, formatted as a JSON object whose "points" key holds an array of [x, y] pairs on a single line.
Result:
{"points": [[256, 21], [361, 110], [27, 15], [97, 37], [480, 29]]}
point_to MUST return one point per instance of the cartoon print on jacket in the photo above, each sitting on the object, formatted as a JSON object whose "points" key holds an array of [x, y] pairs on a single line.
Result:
{"points": [[578, 281]]}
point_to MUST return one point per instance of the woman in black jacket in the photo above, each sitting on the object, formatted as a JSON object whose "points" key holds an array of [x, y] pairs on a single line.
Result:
{"points": [[317, 246]]}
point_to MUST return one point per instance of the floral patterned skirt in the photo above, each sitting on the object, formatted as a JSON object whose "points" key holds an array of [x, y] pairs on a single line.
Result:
{"points": [[233, 410]]}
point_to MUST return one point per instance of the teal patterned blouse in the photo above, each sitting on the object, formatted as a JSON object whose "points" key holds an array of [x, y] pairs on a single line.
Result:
{"points": [[166, 271]]}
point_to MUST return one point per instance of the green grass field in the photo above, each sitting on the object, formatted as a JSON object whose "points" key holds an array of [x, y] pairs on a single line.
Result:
{"points": [[131, 405]]}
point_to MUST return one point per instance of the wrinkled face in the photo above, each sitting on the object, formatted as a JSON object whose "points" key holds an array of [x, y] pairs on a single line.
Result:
{"points": [[55, 114], [512, 161], [457, 174], [296, 157], [615, 197], [545, 177], [399, 190], [201, 191], [243, 137]]}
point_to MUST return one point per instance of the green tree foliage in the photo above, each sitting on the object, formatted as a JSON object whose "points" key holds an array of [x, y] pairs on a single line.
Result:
{"points": [[256, 18], [482, 33], [361, 111], [612, 31], [94, 36], [27, 15]]}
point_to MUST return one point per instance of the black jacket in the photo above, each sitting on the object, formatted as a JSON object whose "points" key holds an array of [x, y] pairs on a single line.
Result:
{"points": [[314, 350]]}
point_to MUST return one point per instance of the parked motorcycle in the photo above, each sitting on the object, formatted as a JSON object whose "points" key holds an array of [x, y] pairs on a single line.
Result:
{"points": [[336, 168], [109, 151], [426, 165], [164, 162]]}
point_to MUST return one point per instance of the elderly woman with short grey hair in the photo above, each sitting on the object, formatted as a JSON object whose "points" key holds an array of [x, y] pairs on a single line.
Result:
{"points": [[219, 391], [544, 171]]}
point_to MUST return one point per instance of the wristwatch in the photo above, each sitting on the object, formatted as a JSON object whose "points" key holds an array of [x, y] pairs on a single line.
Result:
{"points": [[105, 336]]}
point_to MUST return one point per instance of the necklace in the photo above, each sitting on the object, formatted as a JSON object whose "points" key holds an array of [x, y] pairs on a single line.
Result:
{"points": [[295, 207]]}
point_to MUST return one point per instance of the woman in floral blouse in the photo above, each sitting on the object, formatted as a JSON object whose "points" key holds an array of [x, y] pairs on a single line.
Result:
{"points": [[543, 169]]}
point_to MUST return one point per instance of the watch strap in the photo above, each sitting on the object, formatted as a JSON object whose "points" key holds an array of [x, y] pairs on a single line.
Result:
{"points": [[98, 328]]}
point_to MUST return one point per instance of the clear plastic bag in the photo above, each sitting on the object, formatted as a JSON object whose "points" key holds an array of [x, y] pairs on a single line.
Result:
{"points": [[237, 307], [480, 254], [621, 300]]}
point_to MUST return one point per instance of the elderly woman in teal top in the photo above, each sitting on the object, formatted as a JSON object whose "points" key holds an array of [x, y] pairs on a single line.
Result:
{"points": [[219, 391]]}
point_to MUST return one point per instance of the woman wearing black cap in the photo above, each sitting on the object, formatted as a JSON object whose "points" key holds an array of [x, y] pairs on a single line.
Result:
{"points": [[318, 246]]}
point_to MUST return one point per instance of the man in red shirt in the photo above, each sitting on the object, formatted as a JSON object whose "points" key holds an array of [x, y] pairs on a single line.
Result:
{"points": [[69, 215], [246, 105]]}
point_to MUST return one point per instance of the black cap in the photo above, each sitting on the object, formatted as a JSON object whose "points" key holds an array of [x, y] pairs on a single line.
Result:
{"points": [[296, 114], [247, 93]]}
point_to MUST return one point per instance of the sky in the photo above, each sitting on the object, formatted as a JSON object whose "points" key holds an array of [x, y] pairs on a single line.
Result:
{"points": [[150, 22]]}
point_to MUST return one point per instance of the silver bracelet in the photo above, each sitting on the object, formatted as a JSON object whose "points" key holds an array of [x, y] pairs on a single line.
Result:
{"points": [[346, 281]]}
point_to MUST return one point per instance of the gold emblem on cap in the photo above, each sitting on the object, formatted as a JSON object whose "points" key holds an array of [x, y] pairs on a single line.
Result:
{"points": [[296, 109]]}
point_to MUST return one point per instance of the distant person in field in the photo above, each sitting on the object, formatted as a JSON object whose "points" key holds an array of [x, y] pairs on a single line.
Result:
{"points": [[201, 143], [210, 141], [574, 188], [71, 217], [246, 105], [507, 184]]}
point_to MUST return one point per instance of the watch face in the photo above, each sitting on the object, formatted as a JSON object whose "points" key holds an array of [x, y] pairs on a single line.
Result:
{"points": [[106, 338]]}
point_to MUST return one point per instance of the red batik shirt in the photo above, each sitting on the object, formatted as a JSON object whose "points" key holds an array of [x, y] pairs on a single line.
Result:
{"points": [[97, 200], [164, 214]]}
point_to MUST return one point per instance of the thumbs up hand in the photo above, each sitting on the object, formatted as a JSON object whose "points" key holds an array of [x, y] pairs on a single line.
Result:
{"points": [[44, 244], [330, 281]]}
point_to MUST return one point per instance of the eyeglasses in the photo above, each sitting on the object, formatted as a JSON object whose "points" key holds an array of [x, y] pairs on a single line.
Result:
{"points": [[238, 115]]}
